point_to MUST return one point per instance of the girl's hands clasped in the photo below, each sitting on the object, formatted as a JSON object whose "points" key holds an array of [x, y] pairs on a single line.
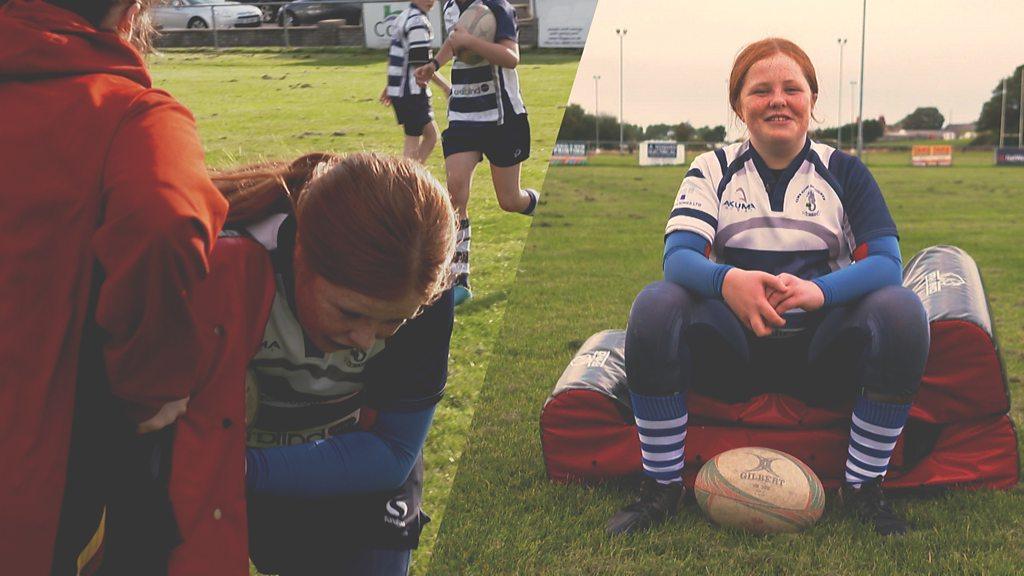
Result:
{"points": [[799, 293], [747, 294]]}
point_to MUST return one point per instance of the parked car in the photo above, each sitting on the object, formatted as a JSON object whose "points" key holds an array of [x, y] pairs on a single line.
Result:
{"points": [[199, 14], [305, 12]]}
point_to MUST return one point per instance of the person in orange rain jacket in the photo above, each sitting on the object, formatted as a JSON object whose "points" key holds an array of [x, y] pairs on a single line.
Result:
{"points": [[107, 219]]}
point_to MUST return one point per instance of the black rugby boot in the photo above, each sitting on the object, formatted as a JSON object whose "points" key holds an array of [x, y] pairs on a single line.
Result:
{"points": [[655, 504], [870, 504]]}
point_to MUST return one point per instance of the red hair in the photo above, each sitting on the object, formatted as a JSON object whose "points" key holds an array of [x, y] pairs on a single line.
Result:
{"points": [[754, 53], [378, 225]]}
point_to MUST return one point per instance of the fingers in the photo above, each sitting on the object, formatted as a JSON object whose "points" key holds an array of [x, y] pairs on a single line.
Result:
{"points": [[757, 326], [776, 283], [771, 316]]}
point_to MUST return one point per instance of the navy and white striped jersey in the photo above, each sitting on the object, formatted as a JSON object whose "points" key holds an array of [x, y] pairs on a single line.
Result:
{"points": [[411, 32], [484, 94], [307, 395], [806, 219]]}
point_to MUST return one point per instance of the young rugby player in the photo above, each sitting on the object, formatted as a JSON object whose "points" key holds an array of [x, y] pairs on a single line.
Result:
{"points": [[486, 118], [410, 48], [761, 295]]}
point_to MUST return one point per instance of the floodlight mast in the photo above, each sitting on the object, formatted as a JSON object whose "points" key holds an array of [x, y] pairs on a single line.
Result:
{"points": [[621, 32], [597, 115], [860, 113], [839, 113]]}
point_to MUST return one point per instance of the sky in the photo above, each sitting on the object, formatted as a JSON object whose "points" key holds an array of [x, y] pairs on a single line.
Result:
{"points": [[677, 55]]}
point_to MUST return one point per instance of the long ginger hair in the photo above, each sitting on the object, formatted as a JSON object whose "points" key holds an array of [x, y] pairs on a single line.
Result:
{"points": [[375, 224]]}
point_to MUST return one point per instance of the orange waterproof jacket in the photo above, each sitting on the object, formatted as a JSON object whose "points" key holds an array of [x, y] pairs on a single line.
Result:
{"points": [[107, 218]]}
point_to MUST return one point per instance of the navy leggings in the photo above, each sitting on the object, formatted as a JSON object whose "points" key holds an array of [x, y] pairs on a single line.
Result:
{"points": [[677, 341]]}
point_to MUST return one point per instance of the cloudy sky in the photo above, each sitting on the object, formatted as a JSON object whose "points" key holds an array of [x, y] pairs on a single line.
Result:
{"points": [[678, 54]]}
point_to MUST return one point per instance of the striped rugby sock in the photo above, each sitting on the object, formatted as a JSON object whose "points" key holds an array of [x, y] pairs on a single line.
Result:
{"points": [[460, 263], [873, 434], [534, 198], [661, 424]]}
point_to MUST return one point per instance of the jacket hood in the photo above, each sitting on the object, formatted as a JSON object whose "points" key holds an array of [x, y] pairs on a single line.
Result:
{"points": [[40, 40]]}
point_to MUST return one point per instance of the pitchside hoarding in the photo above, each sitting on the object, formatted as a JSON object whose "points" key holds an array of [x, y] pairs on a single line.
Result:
{"points": [[569, 153], [378, 17], [564, 23], [1010, 156], [937, 155], [661, 153]]}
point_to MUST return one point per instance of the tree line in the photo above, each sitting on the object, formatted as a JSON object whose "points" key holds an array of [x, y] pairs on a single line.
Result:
{"points": [[578, 124]]}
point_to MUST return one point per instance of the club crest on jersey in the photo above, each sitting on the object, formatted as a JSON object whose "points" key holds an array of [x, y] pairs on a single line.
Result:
{"points": [[741, 203], [810, 200], [355, 358]]}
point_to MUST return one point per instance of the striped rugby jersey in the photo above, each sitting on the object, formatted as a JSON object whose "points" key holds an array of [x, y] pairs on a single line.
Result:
{"points": [[806, 219], [410, 31], [484, 94], [307, 395]]}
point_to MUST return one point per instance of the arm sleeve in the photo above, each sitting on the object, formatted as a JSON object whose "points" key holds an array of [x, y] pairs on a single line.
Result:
{"points": [[882, 266], [371, 461], [161, 218], [505, 20], [686, 264], [419, 36]]}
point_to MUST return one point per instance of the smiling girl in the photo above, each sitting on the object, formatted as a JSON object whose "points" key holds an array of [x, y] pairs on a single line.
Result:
{"points": [[782, 274]]}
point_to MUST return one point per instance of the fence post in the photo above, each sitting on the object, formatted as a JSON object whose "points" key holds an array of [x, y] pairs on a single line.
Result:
{"points": [[284, 24], [213, 19]]}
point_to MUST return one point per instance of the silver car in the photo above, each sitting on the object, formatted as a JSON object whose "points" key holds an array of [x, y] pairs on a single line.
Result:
{"points": [[201, 14]]}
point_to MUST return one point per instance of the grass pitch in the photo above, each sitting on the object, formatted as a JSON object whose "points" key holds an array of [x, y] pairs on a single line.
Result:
{"points": [[259, 104], [594, 245]]}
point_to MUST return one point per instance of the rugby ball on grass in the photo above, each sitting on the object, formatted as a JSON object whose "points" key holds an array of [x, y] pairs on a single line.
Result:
{"points": [[479, 21], [759, 490]]}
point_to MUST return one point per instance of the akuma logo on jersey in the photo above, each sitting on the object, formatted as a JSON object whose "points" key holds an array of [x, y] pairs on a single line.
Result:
{"points": [[934, 282], [741, 204], [811, 199], [270, 345]]}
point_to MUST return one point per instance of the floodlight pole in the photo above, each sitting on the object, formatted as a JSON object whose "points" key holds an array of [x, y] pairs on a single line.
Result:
{"points": [[597, 115], [860, 113], [1002, 116], [839, 113], [622, 34], [853, 98]]}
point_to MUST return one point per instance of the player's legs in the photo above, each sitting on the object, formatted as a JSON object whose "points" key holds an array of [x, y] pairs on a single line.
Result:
{"points": [[887, 331], [459, 168], [411, 147], [511, 196], [427, 141], [663, 322], [506, 150]]}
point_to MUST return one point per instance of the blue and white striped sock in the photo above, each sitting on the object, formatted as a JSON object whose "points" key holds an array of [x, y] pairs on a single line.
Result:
{"points": [[873, 433], [661, 424]]}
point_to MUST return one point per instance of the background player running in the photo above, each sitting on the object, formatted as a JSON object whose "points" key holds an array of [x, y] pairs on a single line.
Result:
{"points": [[782, 274], [410, 48], [486, 117]]}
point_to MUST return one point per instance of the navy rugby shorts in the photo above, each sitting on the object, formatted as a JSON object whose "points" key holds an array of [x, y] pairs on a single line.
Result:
{"points": [[504, 145], [413, 113]]}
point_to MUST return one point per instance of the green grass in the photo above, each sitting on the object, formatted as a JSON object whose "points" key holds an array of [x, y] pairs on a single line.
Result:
{"points": [[277, 104], [594, 245]]}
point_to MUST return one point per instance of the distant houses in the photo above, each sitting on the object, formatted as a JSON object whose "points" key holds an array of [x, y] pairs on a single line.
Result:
{"points": [[895, 132]]}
